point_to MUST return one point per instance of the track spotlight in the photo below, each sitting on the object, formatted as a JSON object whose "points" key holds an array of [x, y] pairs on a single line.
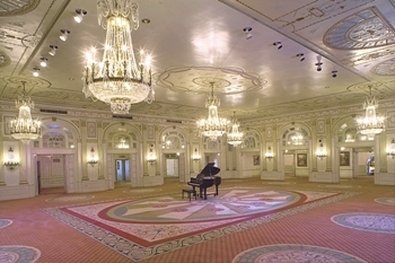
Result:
{"points": [[80, 13], [64, 34], [36, 72], [278, 44], [43, 62], [247, 30], [319, 66], [300, 56], [334, 73], [52, 50]]}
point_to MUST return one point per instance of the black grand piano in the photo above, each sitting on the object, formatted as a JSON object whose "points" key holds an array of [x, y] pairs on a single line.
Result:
{"points": [[206, 179]]}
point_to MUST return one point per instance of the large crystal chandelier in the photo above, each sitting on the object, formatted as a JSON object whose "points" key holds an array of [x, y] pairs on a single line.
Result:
{"points": [[212, 127], [235, 137], [23, 127], [118, 80], [370, 124]]}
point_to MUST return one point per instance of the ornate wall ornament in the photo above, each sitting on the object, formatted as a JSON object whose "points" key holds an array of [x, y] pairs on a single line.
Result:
{"points": [[20, 7], [365, 29], [385, 68], [196, 80], [4, 59]]}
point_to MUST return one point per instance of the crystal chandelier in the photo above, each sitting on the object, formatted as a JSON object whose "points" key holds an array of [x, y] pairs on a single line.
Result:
{"points": [[212, 127], [235, 137], [118, 80], [370, 124], [23, 127]]}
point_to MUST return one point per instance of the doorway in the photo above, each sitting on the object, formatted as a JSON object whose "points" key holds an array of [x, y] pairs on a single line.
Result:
{"points": [[289, 164], [50, 173], [122, 170], [172, 167]]}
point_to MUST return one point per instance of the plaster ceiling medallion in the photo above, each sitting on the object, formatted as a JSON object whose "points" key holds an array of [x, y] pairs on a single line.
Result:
{"points": [[365, 29], [385, 68], [197, 80], [13, 8]]}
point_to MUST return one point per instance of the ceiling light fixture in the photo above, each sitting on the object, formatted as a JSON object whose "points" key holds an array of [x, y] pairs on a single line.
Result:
{"points": [[247, 30], [334, 73], [300, 56], [43, 62], [80, 13], [370, 124], [36, 72], [212, 127], [235, 137], [64, 34], [52, 50], [119, 79], [319, 63], [278, 45], [23, 127]]}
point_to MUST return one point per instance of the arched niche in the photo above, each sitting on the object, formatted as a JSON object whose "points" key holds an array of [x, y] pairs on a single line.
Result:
{"points": [[120, 136], [346, 131], [296, 135], [251, 141], [57, 133], [172, 140]]}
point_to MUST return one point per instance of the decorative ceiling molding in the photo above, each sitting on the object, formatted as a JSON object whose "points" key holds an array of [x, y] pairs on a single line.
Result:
{"points": [[364, 29], [385, 68], [196, 80], [20, 7]]}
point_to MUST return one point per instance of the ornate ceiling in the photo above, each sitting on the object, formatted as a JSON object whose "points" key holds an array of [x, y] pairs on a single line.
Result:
{"points": [[265, 70]]}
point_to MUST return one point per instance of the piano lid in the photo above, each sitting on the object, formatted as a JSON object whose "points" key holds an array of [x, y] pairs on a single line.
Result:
{"points": [[210, 170]]}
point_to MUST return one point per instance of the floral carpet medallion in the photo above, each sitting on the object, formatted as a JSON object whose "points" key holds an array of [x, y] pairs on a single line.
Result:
{"points": [[373, 222], [290, 253], [18, 254], [144, 228], [4, 223], [386, 200]]}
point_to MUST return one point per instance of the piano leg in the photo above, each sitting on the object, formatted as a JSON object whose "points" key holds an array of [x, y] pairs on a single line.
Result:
{"points": [[216, 190], [205, 193]]}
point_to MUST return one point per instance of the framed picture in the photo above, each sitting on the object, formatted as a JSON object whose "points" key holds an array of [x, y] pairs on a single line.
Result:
{"points": [[344, 158], [301, 159], [256, 160]]}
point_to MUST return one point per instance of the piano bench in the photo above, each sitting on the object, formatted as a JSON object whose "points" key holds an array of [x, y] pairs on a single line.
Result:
{"points": [[190, 192]]}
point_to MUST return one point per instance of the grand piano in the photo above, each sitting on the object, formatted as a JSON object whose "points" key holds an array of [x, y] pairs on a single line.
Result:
{"points": [[205, 179]]}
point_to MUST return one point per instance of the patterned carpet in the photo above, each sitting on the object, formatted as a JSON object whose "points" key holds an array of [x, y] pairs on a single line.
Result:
{"points": [[291, 253], [18, 254], [144, 228]]}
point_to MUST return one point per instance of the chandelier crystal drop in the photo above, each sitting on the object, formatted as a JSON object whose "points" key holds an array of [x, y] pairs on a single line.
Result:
{"points": [[235, 137], [212, 127], [24, 128], [370, 124], [118, 79]]}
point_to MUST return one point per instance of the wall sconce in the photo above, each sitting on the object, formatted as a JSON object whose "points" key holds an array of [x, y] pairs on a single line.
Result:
{"points": [[151, 157], [321, 151], [196, 155], [269, 154], [10, 163], [391, 149], [92, 158]]}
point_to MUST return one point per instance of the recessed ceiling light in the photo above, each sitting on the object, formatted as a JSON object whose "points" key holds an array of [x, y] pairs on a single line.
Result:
{"points": [[43, 62], [145, 20], [64, 34]]}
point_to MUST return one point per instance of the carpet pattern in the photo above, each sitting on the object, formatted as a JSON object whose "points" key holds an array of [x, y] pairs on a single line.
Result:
{"points": [[145, 228], [373, 222], [4, 223], [287, 253], [18, 254], [71, 198]]}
